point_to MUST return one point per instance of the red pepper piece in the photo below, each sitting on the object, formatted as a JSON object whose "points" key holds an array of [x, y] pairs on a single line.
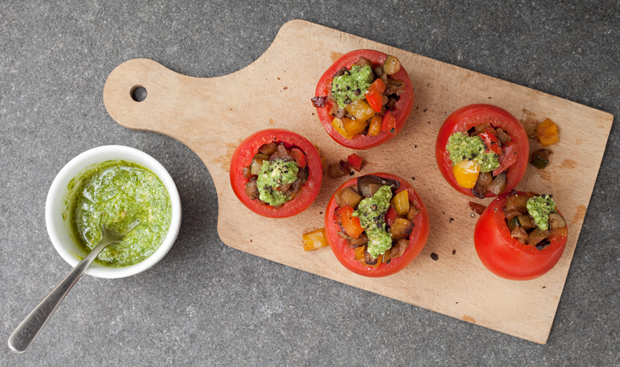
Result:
{"points": [[490, 140], [299, 157], [507, 159], [355, 161], [388, 124], [390, 216]]}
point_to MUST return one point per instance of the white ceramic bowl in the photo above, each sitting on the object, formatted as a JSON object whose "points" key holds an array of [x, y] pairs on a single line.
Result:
{"points": [[58, 229]]}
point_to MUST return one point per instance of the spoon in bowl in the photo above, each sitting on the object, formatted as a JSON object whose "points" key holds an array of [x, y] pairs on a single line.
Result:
{"points": [[27, 330]]}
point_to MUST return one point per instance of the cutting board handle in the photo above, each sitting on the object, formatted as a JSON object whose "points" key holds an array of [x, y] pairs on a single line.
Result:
{"points": [[175, 104]]}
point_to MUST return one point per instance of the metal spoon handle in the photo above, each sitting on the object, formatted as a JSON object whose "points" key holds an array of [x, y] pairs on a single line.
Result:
{"points": [[27, 330]]}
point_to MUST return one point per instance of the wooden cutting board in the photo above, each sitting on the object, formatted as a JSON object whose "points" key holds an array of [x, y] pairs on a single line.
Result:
{"points": [[213, 115]]}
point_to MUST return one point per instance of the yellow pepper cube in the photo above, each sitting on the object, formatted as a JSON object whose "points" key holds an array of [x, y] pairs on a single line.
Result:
{"points": [[339, 127], [466, 173], [353, 127], [400, 202], [315, 240], [360, 109]]}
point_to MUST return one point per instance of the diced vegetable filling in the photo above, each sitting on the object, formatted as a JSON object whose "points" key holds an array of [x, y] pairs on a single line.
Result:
{"points": [[374, 221], [481, 158], [276, 175], [363, 97], [532, 219]]}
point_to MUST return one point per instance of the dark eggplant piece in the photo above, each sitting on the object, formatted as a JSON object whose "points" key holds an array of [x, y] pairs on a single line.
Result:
{"points": [[369, 184], [556, 221]]}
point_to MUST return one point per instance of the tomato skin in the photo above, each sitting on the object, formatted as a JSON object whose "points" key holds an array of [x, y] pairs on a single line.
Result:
{"points": [[506, 257], [346, 255], [401, 111], [467, 117], [243, 155]]}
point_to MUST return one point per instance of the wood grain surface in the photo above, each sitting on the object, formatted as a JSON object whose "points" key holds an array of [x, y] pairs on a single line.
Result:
{"points": [[213, 115]]}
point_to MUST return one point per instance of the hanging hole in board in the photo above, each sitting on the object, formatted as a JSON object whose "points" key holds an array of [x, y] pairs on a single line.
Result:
{"points": [[138, 93]]}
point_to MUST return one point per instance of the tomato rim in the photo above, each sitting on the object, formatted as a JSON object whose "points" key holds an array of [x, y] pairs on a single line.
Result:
{"points": [[401, 111], [469, 116], [506, 257], [243, 155], [346, 255]]}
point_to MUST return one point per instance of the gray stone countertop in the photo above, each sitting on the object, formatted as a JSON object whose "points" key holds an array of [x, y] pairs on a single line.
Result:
{"points": [[208, 304]]}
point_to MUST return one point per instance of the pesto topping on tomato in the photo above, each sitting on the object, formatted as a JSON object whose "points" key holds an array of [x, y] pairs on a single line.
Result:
{"points": [[371, 212], [352, 85], [539, 207], [274, 174], [464, 147], [124, 197]]}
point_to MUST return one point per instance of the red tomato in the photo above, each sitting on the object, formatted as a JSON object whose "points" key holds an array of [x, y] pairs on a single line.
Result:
{"points": [[243, 157], [467, 117], [346, 255], [401, 111], [506, 257]]}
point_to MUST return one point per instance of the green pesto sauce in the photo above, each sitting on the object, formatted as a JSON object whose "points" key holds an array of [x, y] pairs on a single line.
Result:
{"points": [[539, 207], [272, 175], [371, 212], [349, 87], [462, 146], [126, 198]]}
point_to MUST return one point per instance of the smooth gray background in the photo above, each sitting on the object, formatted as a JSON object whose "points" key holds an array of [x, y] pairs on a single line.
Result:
{"points": [[207, 304]]}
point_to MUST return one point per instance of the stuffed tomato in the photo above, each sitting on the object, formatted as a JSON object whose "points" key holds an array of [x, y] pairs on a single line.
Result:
{"points": [[276, 173], [376, 224], [520, 236], [482, 150], [364, 99]]}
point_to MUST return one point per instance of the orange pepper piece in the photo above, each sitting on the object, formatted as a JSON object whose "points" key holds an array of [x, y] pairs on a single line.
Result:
{"points": [[350, 223], [375, 125], [547, 133]]}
